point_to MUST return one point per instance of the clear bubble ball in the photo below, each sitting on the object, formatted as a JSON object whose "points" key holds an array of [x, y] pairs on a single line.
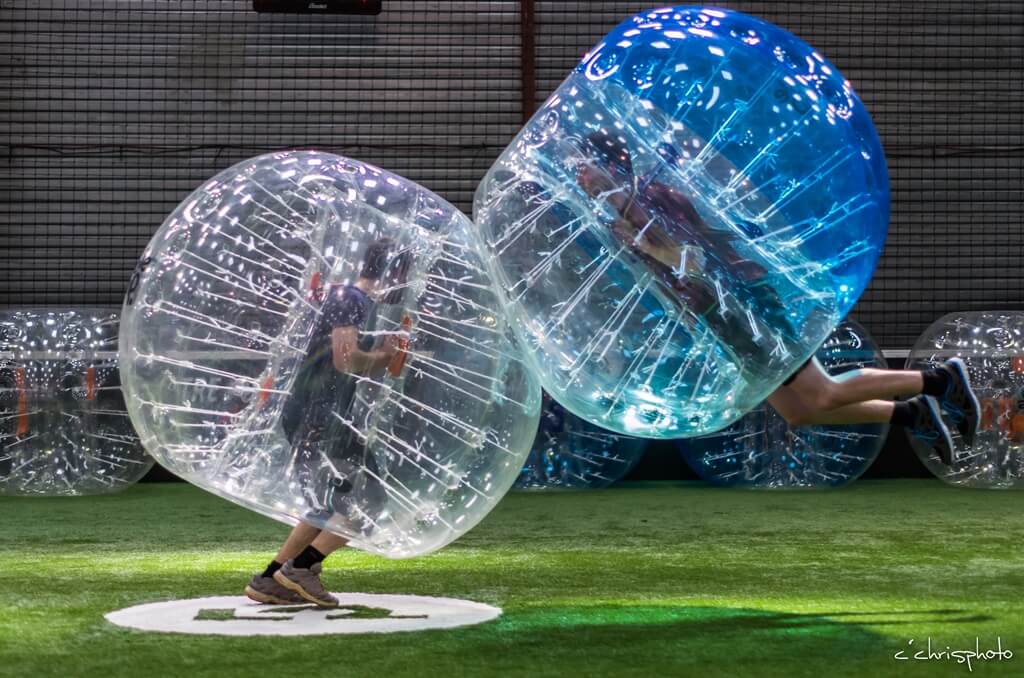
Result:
{"points": [[571, 453], [991, 344], [762, 451], [64, 429], [684, 221], [318, 339]]}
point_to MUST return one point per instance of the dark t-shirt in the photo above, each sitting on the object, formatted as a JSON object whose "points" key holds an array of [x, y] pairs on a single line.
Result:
{"points": [[318, 387], [675, 225], [680, 224]]}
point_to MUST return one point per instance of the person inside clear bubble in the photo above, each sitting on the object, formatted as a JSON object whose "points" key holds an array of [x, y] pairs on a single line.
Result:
{"points": [[659, 225], [324, 421], [701, 265]]}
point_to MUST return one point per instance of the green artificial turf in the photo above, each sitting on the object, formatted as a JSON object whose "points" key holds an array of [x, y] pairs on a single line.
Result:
{"points": [[661, 579]]}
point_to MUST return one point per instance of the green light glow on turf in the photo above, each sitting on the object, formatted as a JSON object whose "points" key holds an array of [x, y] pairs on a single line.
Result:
{"points": [[677, 579]]}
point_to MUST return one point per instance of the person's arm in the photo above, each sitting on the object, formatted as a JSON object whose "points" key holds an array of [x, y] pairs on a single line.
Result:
{"points": [[347, 357], [715, 241]]}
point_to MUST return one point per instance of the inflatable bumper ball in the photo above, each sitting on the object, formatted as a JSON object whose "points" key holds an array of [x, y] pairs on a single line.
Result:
{"points": [[685, 220], [64, 428], [319, 340], [568, 452], [991, 344]]}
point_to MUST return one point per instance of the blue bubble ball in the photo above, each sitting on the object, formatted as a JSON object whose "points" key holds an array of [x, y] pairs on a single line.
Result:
{"points": [[762, 451], [570, 453], [685, 220]]}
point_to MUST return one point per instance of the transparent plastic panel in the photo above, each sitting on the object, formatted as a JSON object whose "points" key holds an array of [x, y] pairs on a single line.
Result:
{"points": [[569, 452]]}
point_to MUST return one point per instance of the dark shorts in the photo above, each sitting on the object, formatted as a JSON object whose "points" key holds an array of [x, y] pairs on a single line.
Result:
{"points": [[335, 471], [793, 376]]}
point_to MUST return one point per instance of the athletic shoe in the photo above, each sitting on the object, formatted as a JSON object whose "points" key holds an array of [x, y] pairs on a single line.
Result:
{"points": [[930, 429], [959, 401], [267, 590], [306, 583]]}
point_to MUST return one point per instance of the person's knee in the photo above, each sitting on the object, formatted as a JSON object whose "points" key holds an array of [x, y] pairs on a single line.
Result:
{"points": [[812, 402]]}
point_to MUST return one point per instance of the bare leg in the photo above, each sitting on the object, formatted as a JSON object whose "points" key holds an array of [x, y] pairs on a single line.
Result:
{"points": [[868, 412], [328, 542], [823, 392], [301, 536], [815, 398]]}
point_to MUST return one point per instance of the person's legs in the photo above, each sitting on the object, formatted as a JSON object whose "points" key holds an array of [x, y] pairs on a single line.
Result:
{"points": [[948, 383], [823, 393], [328, 542], [812, 397], [867, 412], [301, 536], [263, 587], [300, 572]]}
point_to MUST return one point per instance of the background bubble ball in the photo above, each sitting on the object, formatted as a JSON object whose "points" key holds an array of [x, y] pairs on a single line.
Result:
{"points": [[569, 452], [684, 221], [64, 429], [991, 344], [317, 339], [762, 451]]}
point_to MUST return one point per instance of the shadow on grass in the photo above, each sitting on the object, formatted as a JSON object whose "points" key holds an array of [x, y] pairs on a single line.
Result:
{"points": [[584, 639], [670, 637], [706, 619]]}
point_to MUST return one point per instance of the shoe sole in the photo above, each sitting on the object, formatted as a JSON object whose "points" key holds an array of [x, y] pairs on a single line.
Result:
{"points": [[297, 588], [936, 412], [266, 598], [961, 367]]}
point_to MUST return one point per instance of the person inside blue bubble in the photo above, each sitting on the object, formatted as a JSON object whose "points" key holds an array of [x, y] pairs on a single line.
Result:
{"points": [[660, 226], [322, 421]]}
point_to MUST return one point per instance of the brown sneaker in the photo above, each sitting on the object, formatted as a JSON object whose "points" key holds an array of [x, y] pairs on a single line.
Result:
{"points": [[306, 583], [266, 590]]}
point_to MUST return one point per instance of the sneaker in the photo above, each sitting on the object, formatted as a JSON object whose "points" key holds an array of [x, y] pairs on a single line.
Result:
{"points": [[306, 583], [959, 401], [267, 590], [930, 429]]}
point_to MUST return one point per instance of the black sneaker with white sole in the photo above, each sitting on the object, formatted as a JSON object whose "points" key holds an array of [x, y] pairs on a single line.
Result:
{"points": [[959, 400], [930, 429]]}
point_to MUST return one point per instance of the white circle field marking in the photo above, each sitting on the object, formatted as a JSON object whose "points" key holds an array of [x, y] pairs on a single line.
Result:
{"points": [[356, 613]]}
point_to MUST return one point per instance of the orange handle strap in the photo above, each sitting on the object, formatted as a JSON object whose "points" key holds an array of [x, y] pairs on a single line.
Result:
{"points": [[90, 383], [398, 360], [316, 291], [988, 415], [265, 390], [21, 383]]}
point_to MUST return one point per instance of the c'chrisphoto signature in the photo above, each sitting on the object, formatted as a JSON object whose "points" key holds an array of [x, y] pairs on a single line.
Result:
{"points": [[959, 656]]}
